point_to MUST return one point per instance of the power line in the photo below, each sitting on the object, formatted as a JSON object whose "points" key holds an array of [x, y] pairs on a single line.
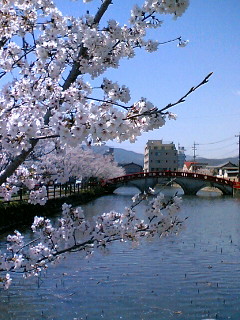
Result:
{"points": [[217, 141], [218, 148], [223, 155]]}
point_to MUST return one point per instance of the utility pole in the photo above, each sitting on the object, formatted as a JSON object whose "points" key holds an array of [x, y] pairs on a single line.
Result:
{"points": [[194, 153], [238, 136]]}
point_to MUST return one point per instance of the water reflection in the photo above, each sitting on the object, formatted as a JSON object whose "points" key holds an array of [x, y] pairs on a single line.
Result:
{"points": [[192, 276]]}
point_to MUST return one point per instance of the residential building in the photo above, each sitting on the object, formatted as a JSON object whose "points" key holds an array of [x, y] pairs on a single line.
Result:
{"points": [[193, 166], [160, 156], [132, 167], [227, 170]]}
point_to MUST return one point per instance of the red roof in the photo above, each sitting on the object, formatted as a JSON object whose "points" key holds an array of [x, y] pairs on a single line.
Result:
{"points": [[188, 164]]}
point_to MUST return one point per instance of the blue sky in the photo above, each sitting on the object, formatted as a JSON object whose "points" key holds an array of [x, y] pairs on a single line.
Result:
{"points": [[210, 117]]}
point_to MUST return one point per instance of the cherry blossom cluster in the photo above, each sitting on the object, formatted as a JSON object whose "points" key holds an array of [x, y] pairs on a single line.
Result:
{"points": [[6, 192], [175, 7], [23, 177], [38, 47], [38, 196], [114, 92], [72, 232]]}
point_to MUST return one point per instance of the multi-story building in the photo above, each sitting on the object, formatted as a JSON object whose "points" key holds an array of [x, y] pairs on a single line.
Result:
{"points": [[159, 156], [181, 157]]}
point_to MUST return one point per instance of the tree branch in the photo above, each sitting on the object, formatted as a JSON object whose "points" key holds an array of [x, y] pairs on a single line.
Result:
{"points": [[74, 73], [46, 137], [165, 42], [170, 105], [17, 161], [109, 102], [101, 11]]}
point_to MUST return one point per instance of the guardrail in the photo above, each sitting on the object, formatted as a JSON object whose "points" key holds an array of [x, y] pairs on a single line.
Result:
{"points": [[54, 191], [174, 174], [236, 185]]}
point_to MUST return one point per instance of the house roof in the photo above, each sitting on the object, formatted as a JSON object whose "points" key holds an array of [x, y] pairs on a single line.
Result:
{"points": [[228, 164], [188, 164], [130, 163]]}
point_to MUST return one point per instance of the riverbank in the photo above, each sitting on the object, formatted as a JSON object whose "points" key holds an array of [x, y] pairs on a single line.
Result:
{"points": [[17, 214]]}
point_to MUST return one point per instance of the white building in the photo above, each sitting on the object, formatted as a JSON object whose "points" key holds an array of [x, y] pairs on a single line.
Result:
{"points": [[181, 157], [227, 170], [159, 156]]}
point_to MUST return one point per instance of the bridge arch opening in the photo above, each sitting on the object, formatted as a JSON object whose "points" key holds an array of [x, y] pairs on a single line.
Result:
{"points": [[128, 190], [212, 191]]}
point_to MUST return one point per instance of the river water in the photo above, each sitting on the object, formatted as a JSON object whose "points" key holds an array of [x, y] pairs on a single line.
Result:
{"points": [[195, 275]]}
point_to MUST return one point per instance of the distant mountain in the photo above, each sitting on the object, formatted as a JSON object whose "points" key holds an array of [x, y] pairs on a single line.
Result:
{"points": [[121, 155], [125, 156]]}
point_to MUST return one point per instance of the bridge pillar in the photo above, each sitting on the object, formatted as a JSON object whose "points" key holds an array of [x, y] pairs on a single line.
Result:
{"points": [[190, 186], [190, 191], [226, 190], [144, 184]]}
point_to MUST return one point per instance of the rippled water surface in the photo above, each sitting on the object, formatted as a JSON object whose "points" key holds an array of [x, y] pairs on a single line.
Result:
{"points": [[192, 276]]}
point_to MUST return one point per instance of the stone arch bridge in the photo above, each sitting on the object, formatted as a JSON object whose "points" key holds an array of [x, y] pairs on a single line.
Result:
{"points": [[190, 182]]}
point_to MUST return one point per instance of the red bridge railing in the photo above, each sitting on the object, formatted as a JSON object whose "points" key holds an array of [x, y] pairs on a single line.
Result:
{"points": [[172, 174], [236, 185]]}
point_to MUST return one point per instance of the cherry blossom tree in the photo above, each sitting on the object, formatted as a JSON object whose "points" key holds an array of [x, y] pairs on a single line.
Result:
{"points": [[45, 59], [74, 163]]}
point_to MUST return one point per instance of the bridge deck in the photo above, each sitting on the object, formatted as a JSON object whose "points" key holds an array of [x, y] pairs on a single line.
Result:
{"points": [[172, 174]]}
